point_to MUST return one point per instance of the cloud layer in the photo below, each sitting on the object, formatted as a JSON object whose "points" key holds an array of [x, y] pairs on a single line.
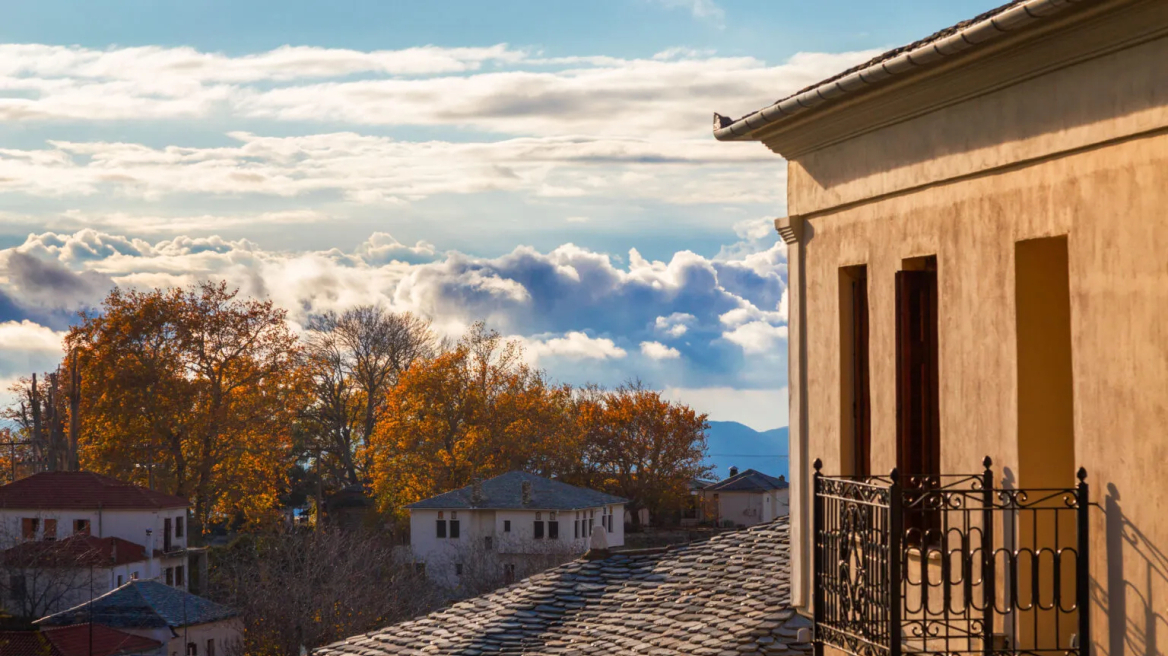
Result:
{"points": [[687, 321]]}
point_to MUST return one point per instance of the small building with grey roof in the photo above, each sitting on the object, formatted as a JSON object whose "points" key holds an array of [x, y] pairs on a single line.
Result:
{"points": [[506, 527], [747, 498]]}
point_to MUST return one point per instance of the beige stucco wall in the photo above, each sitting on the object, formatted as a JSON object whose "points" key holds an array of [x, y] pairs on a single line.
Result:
{"points": [[1081, 152]]}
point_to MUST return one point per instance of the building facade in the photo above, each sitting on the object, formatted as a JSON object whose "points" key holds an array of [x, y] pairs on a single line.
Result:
{"points": [[976, 244], [65, 534], [509, 526]]}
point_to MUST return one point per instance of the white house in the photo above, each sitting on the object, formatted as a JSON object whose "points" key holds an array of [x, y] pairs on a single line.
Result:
{"points": [[116, 532], [187, 624], [747, 498], [509, 526]]}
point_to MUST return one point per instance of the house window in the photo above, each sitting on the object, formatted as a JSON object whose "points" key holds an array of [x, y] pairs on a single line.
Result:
{"points": [[538, 516], [576, 528], [458, 569], [50, 529], [506, 526], [134, 576], [192, 649], [16, 586], [454, 529], [553, 530], [178, 533], [29, 526], [166, 535], [210, 647], [170, 576], [120, 580], [441, 528], [179, 576], [538, 530], [81, 526], [855, 398]]}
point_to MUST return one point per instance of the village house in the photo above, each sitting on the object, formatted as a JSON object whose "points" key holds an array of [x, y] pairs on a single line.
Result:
{"points": [[65, 534], [186, 624], [978, 292], [746, 498], [512, 525]]}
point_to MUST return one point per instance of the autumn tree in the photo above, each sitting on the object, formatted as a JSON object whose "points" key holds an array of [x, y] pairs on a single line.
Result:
{"points": [[192, 391], [351, 360], [640, 446], [475, 410]]}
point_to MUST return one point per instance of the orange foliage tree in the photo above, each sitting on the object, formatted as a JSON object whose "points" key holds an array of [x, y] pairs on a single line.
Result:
{"points": [[192, 391], [640, 446], [475, 410]]}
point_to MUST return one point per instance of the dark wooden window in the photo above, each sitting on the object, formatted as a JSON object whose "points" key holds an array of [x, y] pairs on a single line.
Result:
{"points": [[554, 530], [50, 529], [81, 526], [918, 445], [178, 527], [166, 533], [170, 576], [454, 528], [210, 647], [441, 531], [857, 395], [538, 529], [29, 526], [179, 576], [506, 526]]}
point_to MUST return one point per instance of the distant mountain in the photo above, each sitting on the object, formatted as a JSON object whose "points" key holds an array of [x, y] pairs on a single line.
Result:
{"points": [[731, 444]]}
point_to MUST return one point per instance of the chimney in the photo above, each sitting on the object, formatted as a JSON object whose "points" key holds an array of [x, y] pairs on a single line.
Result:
{"points": [[733, 472], [149, 554], [526, 492], [476, 491]]}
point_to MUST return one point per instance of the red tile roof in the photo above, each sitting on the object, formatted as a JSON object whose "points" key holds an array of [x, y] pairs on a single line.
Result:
{"points": [[82, 491], [74, 641], [77, 550], [26, 643]]}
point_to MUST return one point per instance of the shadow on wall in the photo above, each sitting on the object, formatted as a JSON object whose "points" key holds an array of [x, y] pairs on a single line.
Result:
{"points": [[1133, 621]]}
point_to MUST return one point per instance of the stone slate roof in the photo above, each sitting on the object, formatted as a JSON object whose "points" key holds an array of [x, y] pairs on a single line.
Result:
{"points": [[749, 481], [726, 596], [143, 605], [82, 491], [505, 492]]}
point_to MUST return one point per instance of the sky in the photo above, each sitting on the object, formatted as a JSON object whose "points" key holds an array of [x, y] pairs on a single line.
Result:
{"points": [[546, 166]]}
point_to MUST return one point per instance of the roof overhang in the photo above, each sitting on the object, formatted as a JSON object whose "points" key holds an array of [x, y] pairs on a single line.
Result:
{"points": [[883, 71]]}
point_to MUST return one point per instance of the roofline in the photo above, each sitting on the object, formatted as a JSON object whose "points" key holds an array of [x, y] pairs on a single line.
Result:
{"points": [[973, 36], [414, 506]]}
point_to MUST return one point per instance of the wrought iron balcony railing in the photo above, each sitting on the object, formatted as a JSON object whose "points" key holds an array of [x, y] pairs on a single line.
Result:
{"points": [[949, 565]]}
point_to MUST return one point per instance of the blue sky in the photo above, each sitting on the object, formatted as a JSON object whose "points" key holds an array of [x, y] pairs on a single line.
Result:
{"points": [[547, 166]]}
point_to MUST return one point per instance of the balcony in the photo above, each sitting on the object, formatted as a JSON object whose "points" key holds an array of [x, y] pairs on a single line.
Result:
{"points": [[951, 564]]}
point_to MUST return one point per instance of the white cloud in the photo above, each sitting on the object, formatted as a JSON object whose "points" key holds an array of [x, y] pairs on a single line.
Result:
{"points": [[674, 325], [26, 347], [758, 336], [520, 94], [659, 351], [577, 219], [380, 169], [576, 346]]}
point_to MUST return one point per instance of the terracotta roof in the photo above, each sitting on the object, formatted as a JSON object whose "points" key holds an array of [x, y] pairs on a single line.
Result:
{"points": [[75, 641], [939, 46], [749, 481], [726, 595], [505, 492], [143, 605], [82, 491], [77, 550], [26, 643]]}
